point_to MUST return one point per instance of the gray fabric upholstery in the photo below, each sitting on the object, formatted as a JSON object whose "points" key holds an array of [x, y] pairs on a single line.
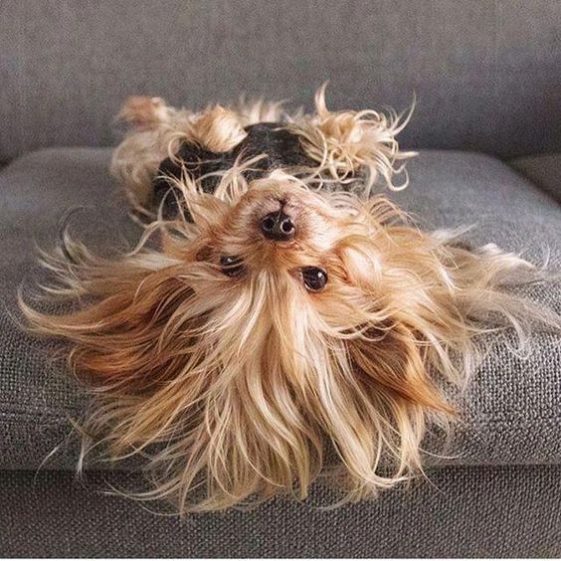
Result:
{"points": [[486, 73], [463, 512], [544, 170], [512, 408]]}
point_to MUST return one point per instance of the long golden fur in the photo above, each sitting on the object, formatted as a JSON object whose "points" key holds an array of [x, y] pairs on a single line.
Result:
{"points": [[241, 386]]}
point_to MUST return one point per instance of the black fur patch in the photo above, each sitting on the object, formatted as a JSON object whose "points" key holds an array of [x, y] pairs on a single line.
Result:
{"points": [[282, 149]]}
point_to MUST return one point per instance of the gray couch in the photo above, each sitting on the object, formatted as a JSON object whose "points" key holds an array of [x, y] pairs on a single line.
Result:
{"points": [[487, 76]]}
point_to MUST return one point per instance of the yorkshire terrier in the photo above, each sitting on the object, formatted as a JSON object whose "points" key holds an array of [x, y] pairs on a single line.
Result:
{"points": [[279, 321]]}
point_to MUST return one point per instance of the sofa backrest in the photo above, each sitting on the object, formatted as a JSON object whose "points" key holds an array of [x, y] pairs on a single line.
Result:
{"points": [[487, 74]]}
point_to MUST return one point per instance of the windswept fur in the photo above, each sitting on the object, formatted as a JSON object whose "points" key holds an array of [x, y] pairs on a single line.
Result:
{"points": [[345, 143], [237, 387]]}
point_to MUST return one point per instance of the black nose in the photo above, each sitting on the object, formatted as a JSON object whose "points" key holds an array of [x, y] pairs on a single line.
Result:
{"points": [[278, 226]]}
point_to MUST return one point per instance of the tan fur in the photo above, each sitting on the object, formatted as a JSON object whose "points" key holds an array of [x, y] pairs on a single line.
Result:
{"points": [[237, 388], [218, 129], [345, 143], [145, 112]]}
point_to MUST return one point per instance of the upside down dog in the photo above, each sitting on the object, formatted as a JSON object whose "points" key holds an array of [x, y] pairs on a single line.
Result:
{"points": [[289, 323]]}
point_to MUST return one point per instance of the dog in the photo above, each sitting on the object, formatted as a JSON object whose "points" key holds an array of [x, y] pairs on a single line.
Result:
{"points": [[281, 321]]}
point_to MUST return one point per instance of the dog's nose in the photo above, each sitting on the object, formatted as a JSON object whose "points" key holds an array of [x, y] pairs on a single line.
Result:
{"points": [[278, 226]]}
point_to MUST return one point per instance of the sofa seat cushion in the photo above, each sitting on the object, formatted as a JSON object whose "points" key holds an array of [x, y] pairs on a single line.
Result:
{"points": [[512, 407]]}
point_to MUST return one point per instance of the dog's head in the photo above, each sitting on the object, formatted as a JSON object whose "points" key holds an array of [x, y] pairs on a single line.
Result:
{"points": [[292, 281]]}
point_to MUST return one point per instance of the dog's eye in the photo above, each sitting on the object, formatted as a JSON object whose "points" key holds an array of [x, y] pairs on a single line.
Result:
{"points": [[231, 265], [314, 278]]}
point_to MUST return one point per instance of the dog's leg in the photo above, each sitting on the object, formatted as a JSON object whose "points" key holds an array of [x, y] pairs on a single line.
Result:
{"points": [[136, 160]]}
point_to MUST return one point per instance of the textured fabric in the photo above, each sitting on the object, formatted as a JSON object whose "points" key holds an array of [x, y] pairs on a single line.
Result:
{"points": [[544, 170], [487, 74], [463, 512], [512, 408]]}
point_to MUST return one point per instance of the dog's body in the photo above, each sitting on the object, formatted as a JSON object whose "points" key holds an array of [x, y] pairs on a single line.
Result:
{"points": [[284, 314]]}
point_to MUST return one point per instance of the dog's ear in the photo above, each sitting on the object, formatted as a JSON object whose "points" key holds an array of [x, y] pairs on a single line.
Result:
{"points": [[127, 338], [393, 363], [144, 112]]}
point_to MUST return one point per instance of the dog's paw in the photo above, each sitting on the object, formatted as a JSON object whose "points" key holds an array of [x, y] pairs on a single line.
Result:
{"points": [[144, 111]]}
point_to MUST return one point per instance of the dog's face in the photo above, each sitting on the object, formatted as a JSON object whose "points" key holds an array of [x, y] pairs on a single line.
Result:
{"points": [[280, 267], [282, 239]]}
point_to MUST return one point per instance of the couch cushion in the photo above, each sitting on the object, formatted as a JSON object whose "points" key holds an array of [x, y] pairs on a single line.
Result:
{"points": [[512, 407], [544, 170]]}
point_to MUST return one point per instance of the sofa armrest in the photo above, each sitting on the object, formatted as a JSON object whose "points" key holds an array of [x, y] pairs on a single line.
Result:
{"points": [[544, 170]]}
